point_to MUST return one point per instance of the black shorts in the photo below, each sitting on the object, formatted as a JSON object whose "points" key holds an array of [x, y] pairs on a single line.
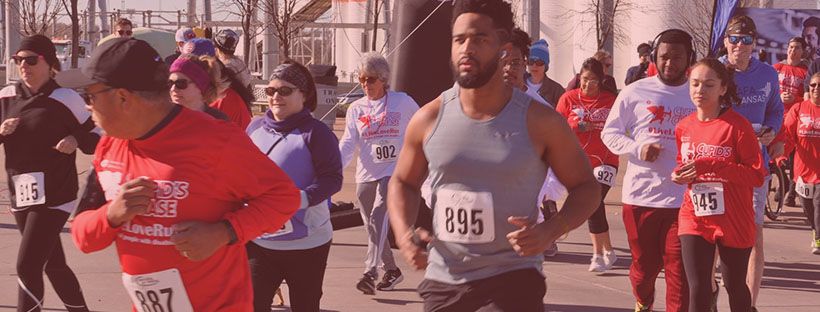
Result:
{"points": [[520, 290]]}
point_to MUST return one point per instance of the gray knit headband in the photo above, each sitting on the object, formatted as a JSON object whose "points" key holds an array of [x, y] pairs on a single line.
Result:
{"points": [[291, 74]]}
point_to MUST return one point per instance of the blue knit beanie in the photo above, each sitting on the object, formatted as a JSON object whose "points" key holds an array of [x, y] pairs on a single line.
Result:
{"points": [[539, 50]]}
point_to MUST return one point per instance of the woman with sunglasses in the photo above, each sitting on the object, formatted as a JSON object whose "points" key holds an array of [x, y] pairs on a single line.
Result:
{"points": [[720, 162], [42, 126], [193, 84], [375, 125], [586, 109], [305, 148], [802, 125]]}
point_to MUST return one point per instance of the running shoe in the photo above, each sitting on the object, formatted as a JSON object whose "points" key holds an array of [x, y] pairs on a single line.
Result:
{"points": [[390, 279], [597, 263], [609, 259], [367, 284], [715, 294], [551, 251], [816, 248], [642, 308]]}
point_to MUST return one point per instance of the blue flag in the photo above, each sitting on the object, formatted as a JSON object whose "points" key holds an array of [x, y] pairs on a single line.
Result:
{"points": [[724, 9]]}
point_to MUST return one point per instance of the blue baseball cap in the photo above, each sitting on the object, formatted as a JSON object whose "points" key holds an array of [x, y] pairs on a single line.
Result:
{"points": [[199, 46]]}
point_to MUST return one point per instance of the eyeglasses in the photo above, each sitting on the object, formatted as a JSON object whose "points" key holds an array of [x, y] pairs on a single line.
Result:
{"points": [[179, 84], [536, 62], [814, 84], [30, 60], [283, 91], [89, 96], [516, 63], [592, 82], [744, 39], [124, 32], [364, 79]]}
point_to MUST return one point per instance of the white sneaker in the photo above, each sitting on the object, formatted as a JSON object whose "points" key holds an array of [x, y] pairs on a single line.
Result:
{"points": [[609, 259], [597, 263]]}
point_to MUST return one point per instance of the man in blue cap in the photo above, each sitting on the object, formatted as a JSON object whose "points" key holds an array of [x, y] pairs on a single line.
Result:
{"points": [[537, 66]]}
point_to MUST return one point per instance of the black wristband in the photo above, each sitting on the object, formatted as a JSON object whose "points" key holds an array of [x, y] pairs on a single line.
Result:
{"points": [[231, 232]]}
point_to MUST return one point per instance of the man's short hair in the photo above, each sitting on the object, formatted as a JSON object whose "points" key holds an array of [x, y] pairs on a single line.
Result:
{"points": [[813, 21], [498, 10], [521, 40], [799, 40], [124, 22]]}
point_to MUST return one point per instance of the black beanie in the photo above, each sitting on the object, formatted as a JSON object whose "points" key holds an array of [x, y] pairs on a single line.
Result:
{"points": [[41, 45]]}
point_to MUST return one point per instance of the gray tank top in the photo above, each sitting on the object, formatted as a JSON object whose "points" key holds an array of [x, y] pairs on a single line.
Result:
{"points": [[481, 172]]}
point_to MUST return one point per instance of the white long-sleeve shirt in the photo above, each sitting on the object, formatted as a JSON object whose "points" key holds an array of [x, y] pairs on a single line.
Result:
{"points": [[377, 131], [646, 112]]}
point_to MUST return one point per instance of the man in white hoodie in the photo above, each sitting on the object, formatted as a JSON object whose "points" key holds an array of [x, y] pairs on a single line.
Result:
{"points": [[641, 125]]}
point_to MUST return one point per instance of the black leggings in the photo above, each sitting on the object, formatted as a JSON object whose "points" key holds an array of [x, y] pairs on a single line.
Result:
{"points": [[811, 207], [597, 221], [303, 270], [698, 259], [41, 250]]}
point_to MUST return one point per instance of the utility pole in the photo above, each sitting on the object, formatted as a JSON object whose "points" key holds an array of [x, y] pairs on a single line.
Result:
{"points": [[191, 13], [12, 36], [90, 23], [270, 45], [535, 19], [206, 7]]}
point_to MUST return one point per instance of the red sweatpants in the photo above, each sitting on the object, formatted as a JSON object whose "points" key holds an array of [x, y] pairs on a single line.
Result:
{"points": [[654, 243]]}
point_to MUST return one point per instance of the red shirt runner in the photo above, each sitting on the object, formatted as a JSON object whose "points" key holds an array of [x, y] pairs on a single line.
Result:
{"points": [[586, 116], [717, 205], [234, 106], [791, 81], [802, 125], [206, 170]]}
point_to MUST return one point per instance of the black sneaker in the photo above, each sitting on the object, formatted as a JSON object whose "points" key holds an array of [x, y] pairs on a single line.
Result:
{"points": [[367, 284], [390, 279]]}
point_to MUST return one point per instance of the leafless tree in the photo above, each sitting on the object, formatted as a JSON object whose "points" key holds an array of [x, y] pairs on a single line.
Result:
{"points": [[75, 29], [36, 15], [694, 17], [247, 12], [607, 17], [286, 23]]}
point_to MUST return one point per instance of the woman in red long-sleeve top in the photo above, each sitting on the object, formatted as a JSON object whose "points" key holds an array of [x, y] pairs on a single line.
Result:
{"points": [[721, 163]]}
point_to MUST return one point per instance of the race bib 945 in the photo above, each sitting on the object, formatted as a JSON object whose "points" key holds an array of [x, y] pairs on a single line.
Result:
{"points": [[707, 199]]}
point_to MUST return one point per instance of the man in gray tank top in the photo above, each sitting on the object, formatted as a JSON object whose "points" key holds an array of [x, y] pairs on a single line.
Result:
{"points": [[486, 149]]}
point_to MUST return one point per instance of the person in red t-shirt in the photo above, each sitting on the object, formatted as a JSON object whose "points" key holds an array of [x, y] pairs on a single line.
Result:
{"points": [[802, 125], [720, 161], [792, 73], [586, 110], [180, 193]]}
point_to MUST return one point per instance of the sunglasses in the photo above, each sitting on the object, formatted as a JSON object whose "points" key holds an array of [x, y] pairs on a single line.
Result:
{"points": [[364, 79], [536, 63], [814, 84], [88, 97], [283, 91], [179, 84], [124, 32], [30, 60], [744, 39]]}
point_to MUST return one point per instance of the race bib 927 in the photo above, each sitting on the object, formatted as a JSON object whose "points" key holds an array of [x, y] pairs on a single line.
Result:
{"points": [[605, 174], [29, 189]]}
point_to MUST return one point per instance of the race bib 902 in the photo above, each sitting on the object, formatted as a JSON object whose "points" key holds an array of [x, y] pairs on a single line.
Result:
{"points": [[464, 216], [161, 291], [29, 189], [384, 151], [707, 199]]}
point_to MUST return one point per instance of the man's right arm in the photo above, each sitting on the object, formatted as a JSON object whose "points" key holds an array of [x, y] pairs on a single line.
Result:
{"points": [[620, 121], [404, 190]]}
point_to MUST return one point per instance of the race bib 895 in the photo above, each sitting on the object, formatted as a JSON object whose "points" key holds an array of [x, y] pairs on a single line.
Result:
{"points": [[464, 216]]}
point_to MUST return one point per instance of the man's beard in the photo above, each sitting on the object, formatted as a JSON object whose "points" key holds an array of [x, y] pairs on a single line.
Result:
{"points": [[474, 81]]}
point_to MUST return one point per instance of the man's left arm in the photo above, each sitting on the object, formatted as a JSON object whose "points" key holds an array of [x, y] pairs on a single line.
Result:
{"points": [[774, 108]]}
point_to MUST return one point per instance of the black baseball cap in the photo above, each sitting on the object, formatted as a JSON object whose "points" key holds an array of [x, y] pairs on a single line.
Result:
{"points": [[741, 25], [126, 63]]}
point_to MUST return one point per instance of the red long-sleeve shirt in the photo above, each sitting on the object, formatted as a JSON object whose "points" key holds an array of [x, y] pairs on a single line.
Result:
{"points": [[802, 125], [726, 151], [206, 170], [234, 106], [593, 111]]}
